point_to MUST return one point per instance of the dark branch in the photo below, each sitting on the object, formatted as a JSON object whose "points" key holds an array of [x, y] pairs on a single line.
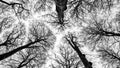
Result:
{"points": [[10, 53]]}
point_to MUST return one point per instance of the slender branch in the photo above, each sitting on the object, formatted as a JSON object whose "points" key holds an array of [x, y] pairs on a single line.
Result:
{"points": [[4, 2], [111, 54]]}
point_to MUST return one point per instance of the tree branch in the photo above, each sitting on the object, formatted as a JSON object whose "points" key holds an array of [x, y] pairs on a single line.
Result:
{"points": [[8, 54]]}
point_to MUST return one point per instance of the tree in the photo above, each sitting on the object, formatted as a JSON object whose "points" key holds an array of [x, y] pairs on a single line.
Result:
{"points": [[78, 9], [37, 38], [71, 39], [67, 58], [16, 38], [102, 35]]}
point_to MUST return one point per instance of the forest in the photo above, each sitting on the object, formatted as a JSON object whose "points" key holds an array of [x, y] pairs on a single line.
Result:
{"points": [[59, 33]]}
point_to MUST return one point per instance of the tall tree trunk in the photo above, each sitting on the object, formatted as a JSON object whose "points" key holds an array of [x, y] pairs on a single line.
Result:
{"points": [[85, 62]]}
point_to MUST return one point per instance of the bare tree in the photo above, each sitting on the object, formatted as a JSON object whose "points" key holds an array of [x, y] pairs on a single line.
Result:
{"points": [[68, 58], [71, 39], [36, 38], [102, 35], [15, 40], [101, 32]]}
